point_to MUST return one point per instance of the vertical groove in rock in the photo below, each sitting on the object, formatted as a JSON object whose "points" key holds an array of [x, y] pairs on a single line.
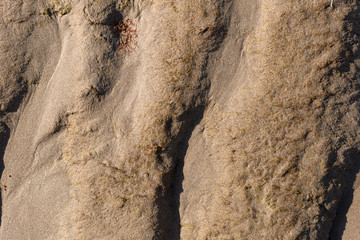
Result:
{"points": [[275, 136], [344, 163], [134, 184], [4, 138]]}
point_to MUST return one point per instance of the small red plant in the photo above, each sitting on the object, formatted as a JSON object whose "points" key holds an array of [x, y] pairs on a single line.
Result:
{"points": [[127, 32]]}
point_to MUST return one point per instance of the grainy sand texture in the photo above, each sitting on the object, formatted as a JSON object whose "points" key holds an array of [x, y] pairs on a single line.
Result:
{"points": [[179, 119]]}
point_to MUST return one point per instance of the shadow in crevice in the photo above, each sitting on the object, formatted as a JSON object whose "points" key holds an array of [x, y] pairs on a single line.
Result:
{"points": [[178, 177], [17, 97], [340, 219], [168, 200], [352, 156], [176, 190], [4, 138]]}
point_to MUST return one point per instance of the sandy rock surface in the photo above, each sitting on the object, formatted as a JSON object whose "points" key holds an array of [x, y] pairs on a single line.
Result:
{"points": [[179, 119]]}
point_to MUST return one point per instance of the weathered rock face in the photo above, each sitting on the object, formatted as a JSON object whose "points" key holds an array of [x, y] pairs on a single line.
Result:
{"points": [[178, 119]]}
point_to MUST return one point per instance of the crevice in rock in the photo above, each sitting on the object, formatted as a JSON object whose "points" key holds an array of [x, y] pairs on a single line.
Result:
{"points": [[340, 220], [4, 138], [168, 198], [343, 175], [16, 99], [177, 176]]}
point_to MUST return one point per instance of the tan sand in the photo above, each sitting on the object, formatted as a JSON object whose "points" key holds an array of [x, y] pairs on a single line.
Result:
{"points": [[192, 119]]}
